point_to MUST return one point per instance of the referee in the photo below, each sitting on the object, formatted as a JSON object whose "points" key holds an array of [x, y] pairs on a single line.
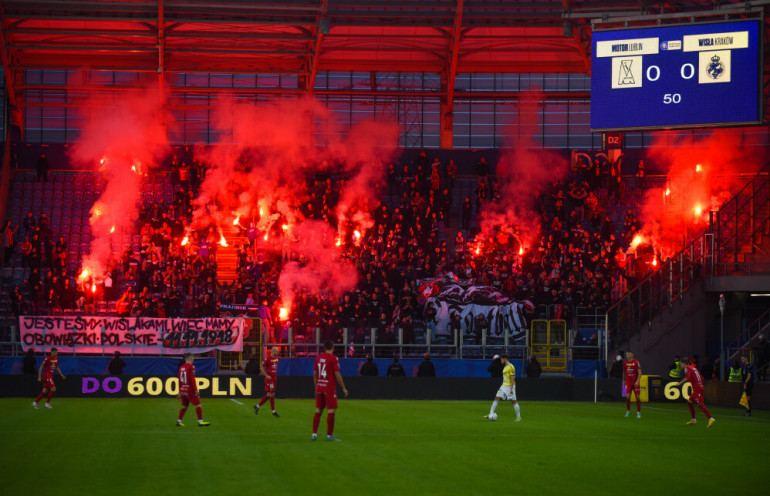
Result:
{"points": [[748, 381]]}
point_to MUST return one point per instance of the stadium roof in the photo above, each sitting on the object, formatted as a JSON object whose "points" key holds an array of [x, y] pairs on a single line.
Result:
{"points": [[303, 37]]}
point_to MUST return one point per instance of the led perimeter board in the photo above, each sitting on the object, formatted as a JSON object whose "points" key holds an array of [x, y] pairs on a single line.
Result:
{"points": [[667, 77]]}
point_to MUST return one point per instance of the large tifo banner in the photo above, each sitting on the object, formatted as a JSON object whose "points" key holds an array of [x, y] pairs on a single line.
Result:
{"points": [[476, 306], [132, 335]]}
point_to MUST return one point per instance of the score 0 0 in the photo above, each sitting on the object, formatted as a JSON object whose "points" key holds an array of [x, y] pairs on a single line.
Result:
{"points": [[687, 71]]}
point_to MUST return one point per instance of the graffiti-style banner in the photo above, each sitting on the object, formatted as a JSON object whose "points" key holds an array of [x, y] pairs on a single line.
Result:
{"points": [[131, 335]]}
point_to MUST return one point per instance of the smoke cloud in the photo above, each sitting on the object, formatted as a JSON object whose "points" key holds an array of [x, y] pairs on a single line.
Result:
{"points": [[523, 171], [703, 172], [266, 173], [123, 137]]}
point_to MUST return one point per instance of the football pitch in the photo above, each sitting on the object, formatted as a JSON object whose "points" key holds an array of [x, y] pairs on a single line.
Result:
{"points": [[131, 446]]}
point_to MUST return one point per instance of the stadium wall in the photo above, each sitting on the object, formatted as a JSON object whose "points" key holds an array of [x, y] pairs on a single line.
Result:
{"points": [[90, 365], [381, 388]]}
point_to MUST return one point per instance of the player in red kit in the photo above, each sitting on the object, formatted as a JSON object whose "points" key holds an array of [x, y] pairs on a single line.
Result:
{"points": [[326, 376], [269, 368], [632, 374], [188, 391], [696, 381], [45, 375]]}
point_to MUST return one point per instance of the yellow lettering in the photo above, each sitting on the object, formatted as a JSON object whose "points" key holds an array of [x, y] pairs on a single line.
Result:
{"points": [[172, 386], [135, 386], [671, 391], [245, 389], [215, 391], [202, 382], [154, 386]]}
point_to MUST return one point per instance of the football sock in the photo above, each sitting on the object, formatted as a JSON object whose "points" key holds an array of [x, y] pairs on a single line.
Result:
{"points": [[628, 401], [181, 414], [39, 397], [316, 421], [262, 401], [199, 413], [494, 405], [272, 404], [517, 409], [329, 424], [638, 405], [704, 410], [692, 410], [50, 395]]}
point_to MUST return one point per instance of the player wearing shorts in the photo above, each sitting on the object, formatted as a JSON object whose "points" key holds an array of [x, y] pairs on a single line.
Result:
{"points": [[696, 381], [326, 376], [632, 374], [45, 375], [188, 391], [269, 368], [507, 390]]}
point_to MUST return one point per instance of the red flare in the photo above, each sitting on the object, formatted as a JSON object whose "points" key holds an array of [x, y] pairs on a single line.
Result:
{"points": [[521, 250], [93, 288], [112, 229], [185, 240], [237, 220], [222, 241], [283, 313]]}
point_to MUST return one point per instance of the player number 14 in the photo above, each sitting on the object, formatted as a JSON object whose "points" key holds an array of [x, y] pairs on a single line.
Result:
{"points": [[672, 98]]}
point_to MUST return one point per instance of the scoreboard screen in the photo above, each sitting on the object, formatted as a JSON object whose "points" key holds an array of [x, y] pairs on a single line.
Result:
{"points": [[667, 77]]}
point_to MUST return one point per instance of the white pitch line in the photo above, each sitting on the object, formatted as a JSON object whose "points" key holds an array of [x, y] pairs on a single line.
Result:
{"points": [[236, 401]]}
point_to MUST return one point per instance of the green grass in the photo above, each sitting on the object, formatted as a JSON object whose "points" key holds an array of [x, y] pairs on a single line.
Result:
{"points": [[130, 446]]}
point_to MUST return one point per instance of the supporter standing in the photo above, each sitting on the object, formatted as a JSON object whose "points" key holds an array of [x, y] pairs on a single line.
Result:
{"points": [[269, 369], [42, 168], [396, 369], [116, 365], [426, 368], [369, 368], [495, 368], [8, 242], [326, 376]]}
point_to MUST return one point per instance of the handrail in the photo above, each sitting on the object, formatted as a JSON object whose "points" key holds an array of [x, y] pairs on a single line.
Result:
{"points": [[740, 221], [746, 335]]}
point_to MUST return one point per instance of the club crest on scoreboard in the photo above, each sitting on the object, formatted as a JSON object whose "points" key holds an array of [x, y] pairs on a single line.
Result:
{"points": [[627, 72], [714, 67]]}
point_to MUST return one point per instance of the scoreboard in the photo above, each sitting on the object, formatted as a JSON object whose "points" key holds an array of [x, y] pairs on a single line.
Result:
{"points": [[668, 77]]}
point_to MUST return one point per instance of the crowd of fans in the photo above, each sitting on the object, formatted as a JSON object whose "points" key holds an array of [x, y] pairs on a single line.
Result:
{"points": [[420, 231]]}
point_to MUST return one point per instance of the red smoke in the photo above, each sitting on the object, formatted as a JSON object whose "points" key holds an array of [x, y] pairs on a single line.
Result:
{"points": [[122, 138], [524, 171], [263, 175], [703, 172]]}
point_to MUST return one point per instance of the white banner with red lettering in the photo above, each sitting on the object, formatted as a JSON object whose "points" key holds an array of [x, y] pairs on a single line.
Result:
{"points": [[144, 336]]}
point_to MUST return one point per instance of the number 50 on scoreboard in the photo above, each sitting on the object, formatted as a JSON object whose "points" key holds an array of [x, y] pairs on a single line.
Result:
{"points": [[677, 76]]}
